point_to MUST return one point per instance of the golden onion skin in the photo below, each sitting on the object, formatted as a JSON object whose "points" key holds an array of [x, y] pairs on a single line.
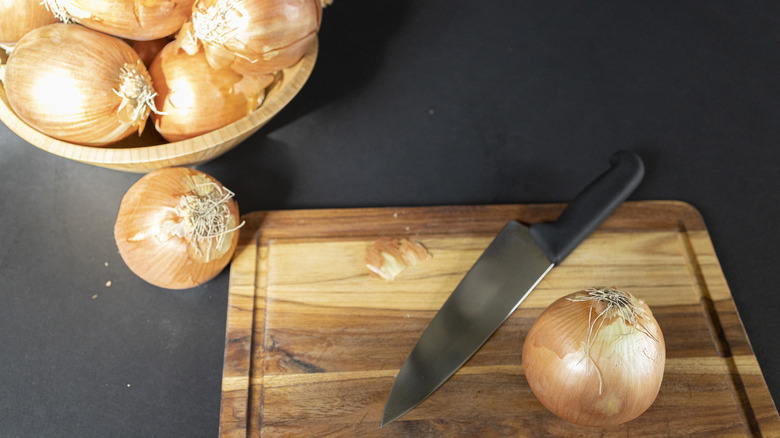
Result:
{"points": [[252, 36], [194, 98], [613, 381], [62, 79], [132, 19], [17, 17], [154, 254]]}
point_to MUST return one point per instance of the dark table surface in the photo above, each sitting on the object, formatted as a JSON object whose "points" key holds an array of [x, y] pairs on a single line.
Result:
{"points": [[411, 103]]}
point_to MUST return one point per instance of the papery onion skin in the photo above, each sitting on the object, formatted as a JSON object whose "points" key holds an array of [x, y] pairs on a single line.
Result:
{"points": [[65, 81], [17, 17], [147, 219], [194, 98], [606, 379], [132, 19], [252, 36]]}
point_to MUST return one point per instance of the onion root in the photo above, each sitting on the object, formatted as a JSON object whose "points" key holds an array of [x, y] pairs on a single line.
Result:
{"points": [[59, 11], [137, 95], [203, 218]]}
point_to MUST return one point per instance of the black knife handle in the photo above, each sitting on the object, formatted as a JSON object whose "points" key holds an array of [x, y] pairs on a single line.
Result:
{"points": [[590, 208]]}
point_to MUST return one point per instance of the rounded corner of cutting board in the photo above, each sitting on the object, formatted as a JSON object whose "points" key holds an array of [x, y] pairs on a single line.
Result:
{"points": [[687, 211], [680, 214]]}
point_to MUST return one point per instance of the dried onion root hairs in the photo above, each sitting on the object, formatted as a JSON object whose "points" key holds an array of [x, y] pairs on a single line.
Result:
{"points": [[203, 218], [606, 304], [137, 95], [615, 303], [57, 8]]}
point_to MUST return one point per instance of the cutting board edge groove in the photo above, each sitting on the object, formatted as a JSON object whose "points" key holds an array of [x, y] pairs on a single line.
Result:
{"points": [[718, 334]]}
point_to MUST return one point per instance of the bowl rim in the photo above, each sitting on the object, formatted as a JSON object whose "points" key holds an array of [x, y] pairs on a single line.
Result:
{"points": [[277, 97]]}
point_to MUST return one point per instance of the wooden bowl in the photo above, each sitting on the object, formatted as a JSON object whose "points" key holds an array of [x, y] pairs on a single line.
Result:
{"points": [[150, 151]]}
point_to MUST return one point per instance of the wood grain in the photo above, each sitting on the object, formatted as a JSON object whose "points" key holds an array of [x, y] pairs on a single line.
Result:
{"points": [[151, 151], [314, 342]]}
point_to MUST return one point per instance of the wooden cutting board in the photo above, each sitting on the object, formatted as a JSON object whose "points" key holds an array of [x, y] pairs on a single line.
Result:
{"points": [[314, 341]]}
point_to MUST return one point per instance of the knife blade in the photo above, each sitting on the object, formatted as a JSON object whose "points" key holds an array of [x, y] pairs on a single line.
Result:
{"points": [[508, 270]]}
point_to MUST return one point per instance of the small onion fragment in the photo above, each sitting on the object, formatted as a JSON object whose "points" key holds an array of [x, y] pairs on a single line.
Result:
{"points": [[252, 36], [389, 256], [177, 227], [78, 85], [17, 17], [595, 357], [132, 19], [194, 98]]}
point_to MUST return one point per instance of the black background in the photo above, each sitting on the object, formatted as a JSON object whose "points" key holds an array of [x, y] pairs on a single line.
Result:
{"points": [[411, 103]]}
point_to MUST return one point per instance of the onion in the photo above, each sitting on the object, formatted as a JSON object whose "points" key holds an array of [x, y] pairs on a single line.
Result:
{"points": [[78, 85], [133, 19], [252, 36], [595, 357], [195, 98], [177, 227], [17, 17]]}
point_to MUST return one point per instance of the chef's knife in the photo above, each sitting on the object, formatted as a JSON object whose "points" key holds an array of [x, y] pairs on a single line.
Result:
{"points": [[511, 266]]}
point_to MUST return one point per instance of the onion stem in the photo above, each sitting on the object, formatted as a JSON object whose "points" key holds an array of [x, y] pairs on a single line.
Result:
{"points": [[616, 304]]}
